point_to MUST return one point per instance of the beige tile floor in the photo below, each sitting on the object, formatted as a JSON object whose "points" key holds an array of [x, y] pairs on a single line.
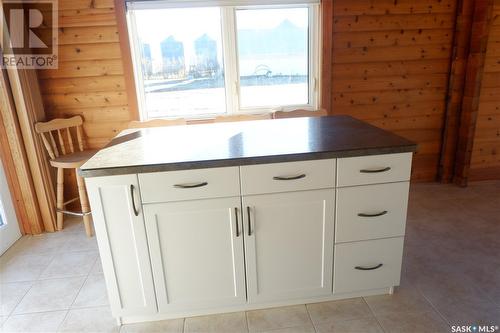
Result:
{"points": [[451, 276]]}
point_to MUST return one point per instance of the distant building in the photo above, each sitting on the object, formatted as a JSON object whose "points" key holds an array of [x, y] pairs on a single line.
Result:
{"points": [[172, 53], [147, 60], [205, 49]]}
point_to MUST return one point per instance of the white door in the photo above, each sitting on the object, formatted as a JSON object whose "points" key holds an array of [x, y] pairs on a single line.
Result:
{"points": [[197, 253], [289, 244], [9, 227], [121, 236]]}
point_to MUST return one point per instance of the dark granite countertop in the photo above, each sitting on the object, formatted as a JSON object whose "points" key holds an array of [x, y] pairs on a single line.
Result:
{"points": [[241, 143]]}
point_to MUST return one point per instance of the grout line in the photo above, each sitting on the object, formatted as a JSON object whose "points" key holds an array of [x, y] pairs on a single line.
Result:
{"points": [[433, 306], [83, 284], [62, 321], [374, 316], [246, 319], [19, 302], [310, 319]]}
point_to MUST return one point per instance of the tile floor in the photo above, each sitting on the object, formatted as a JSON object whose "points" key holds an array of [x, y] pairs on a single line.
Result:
{"points": [[451, 276]]}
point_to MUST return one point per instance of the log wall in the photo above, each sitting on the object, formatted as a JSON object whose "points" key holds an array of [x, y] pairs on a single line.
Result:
{"points": [[90, 78], [390, 68], [485, 162]]}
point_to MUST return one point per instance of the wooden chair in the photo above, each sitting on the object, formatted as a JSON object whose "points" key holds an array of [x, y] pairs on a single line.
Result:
{"points": [[156, 123], [243, 117], [299, 113], [64, 155]]}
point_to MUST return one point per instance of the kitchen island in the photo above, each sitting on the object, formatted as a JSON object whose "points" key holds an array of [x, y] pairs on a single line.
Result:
{"points": [[212, 218]]}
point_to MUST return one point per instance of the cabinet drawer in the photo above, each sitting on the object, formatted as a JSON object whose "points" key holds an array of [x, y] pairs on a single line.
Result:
{"points": [[367, 265], [373, 169], [371, 211], [289, 176], [189, 184]]}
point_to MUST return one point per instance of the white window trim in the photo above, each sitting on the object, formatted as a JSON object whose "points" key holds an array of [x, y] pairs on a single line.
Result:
{"points": [[229, 51]]}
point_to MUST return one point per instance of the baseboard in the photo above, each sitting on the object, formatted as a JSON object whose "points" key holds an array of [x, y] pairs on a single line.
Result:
{"points": [[246, 307]]}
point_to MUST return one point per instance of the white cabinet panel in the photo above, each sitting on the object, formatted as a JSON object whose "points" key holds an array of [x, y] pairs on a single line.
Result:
{"points": [[190, 184], [197, 253], [289, 244], [289, 176], [371, 211], [367, 265], [373, 169], [121, 237]]}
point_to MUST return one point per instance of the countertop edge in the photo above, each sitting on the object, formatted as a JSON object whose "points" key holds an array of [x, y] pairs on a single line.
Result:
{"points": [[136, 169]]}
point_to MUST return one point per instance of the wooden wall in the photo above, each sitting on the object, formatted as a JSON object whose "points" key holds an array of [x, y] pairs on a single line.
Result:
{"points": [[485, 163], [90, 80], [390, 65]]}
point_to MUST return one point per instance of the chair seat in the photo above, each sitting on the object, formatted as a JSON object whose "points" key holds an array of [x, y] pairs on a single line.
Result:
{"points": [[73, 160]]}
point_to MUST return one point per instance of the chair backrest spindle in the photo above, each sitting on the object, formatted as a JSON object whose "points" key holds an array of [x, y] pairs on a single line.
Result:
{"points": [[70, 140], [61, 142], [79, 137], [53, 142]]}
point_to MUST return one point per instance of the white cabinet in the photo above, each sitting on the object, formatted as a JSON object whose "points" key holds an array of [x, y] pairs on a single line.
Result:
{"points": [[190, 184], [371, 211], [121, 235], [202, 241], [288, 176], [374, 169], [197, 253], [289, 244], [367, 265]]}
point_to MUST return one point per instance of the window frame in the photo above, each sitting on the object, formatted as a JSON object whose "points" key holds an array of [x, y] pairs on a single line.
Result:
{"points": [[231, 61]]}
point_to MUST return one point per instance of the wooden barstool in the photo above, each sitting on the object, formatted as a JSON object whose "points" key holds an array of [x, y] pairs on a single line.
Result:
{"points": [[62, 128]]}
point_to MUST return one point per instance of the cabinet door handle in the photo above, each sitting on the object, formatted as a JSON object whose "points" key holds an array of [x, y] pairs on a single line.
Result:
{"points": [[289, 177], [237, 222], [372, 215], [191, 185], [375, 170], [362, 268], [249, 223], [136, 212]]}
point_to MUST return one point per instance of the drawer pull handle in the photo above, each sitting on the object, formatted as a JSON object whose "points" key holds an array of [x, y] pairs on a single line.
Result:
{"points": [[375, 170], [289, 177], [249, 222], [372, 215], [361, 268], [191, 185], [237, 222], [136, 211]]}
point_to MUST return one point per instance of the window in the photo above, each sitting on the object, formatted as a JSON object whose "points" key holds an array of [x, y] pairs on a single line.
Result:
{"points": [[200, 61]]}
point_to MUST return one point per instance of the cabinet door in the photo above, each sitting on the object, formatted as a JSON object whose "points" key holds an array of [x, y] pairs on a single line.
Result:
{"points": [[121, 236], [197, 253], [289, 244]]}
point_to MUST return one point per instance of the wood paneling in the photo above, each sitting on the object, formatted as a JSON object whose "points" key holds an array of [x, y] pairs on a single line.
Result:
{"points": [[386, 62], [485, 162], [90, 79], [390, 68]]}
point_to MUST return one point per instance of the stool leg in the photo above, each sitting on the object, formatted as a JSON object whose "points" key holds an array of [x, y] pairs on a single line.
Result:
{"points": [[84, 201], [60, 197]]}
